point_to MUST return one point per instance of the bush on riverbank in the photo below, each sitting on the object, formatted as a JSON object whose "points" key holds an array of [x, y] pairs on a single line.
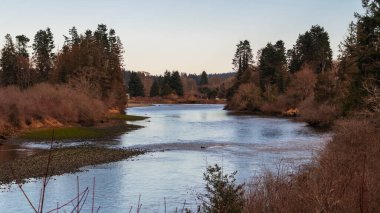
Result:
{"points": [[343, 179], [46, 105]]}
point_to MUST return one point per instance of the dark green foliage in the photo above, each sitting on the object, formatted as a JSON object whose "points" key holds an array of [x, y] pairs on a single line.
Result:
{"points": [[135, 86], [15, 63], [360, 56], [8, 62], [22, 45], [242, 60], [93, 60], [204, 79], [155, 89], [43, 53], [368, 36], [272, 66], [223, 195], [176, 84], [313, 49], [165, 87], [209, 93]]}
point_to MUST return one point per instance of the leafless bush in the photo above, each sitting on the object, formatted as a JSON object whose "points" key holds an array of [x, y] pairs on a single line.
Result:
{"points": [[344, 178], [44, 102], [318, 114], [302, 86], [247, 98], [276, 107]]}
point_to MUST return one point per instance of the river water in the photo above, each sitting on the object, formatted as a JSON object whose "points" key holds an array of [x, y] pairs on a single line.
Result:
{"points": [[183, 140]]}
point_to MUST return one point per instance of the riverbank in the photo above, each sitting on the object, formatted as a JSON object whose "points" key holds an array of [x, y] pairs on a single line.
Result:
{"points": [[148, 101], [62, 160], [344, 177], [113, 125]]}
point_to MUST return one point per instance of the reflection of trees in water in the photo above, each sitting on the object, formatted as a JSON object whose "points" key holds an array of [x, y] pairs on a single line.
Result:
{"points": [[271, 132], [10, 152]]}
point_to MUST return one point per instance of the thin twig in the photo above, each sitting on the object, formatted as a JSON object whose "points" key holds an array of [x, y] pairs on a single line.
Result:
{"points": [[93, 196], [22, 190], [183, 208], [68, 202], [45, 182]]}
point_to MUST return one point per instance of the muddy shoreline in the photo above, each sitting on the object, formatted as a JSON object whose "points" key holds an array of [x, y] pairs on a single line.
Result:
{"points": [[62, 161]]}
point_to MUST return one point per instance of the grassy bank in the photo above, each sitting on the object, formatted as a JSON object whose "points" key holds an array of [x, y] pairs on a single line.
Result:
{"points": [[64, 160], [113, 127]]}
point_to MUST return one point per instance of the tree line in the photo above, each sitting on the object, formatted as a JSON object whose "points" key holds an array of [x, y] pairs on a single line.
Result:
{"points": [[91, 61], [306, 76], [141, 84]]}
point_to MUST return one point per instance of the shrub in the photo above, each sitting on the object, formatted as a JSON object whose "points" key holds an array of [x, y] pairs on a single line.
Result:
{"points": [[344, 178], [302, 86], [223, 195], [246, 98], [44, 101], [322, 115]]}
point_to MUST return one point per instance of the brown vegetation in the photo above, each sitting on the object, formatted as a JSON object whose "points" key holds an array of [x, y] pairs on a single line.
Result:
{"points": [[171, 99], [343, 179], [45, 104]]}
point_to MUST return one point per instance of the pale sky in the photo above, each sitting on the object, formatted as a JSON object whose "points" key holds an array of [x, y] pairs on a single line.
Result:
{"points": [[185, 35]]}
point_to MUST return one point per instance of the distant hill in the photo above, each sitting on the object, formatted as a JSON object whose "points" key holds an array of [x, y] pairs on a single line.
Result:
{"points": [[222, 75]]}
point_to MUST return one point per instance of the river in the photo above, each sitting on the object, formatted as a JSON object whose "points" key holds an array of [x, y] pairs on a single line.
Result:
{"points": [[183, 140]]}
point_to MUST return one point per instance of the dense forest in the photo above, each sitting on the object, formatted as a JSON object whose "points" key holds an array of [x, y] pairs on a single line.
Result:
{"points": [[176, 84], [36, 87], [306, 79]]}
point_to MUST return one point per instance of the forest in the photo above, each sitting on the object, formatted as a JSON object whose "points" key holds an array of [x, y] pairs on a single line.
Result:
{"points": [[35, 87]]}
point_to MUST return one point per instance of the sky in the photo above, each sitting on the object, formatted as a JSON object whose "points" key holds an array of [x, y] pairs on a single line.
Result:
{"points": [[185, 35]]}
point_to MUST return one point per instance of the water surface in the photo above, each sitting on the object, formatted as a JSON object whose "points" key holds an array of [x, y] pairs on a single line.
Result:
{"points": [[184, 139]]}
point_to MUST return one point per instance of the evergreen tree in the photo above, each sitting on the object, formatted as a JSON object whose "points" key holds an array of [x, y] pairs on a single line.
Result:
{"points": [[242, 60], [155, 89], [359, 56], [203, 79], [135, 86], [94, 59], [368, 36], [272, 66], [8, 62], [165, 85], [176, 83], [43, 53], [24, 75], [312, 49], [22, 45]]}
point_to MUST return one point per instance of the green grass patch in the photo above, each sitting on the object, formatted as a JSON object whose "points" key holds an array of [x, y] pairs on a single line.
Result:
{"points": [[127, 117], [78, 133], [64, 133]]}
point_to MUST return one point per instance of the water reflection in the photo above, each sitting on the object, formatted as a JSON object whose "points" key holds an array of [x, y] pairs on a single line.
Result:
{"points": [[10, 152], [185, 139]]}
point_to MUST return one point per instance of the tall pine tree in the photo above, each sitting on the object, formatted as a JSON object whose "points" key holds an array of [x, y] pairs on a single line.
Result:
{"points": [[8, 63], [43, 53]]}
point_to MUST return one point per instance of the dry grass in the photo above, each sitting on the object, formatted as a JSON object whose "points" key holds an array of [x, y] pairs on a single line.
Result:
{"points": [[345, 178], [319, 115], [46, 104]]}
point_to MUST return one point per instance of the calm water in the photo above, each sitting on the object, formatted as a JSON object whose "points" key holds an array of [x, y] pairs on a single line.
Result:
{"points": [[184, 139]]}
